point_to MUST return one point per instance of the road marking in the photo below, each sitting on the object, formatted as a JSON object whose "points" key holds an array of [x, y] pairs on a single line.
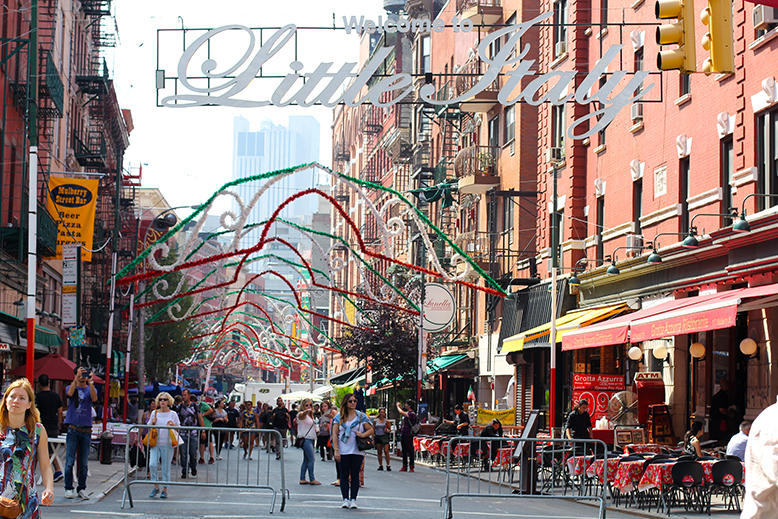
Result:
{"points": [[124, 514]]}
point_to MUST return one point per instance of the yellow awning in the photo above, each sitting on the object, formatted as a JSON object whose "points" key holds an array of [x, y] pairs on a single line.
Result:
{"points": [[572, 320]]}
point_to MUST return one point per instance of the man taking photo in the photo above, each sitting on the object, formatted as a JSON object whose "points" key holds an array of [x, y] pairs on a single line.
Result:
{"points": [[81, 395]]}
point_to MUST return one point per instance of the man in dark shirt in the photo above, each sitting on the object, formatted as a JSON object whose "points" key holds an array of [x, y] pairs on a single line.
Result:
{"points": [[579, 424], [232, 422], [281, 423], [719, 414], [49, 405], [189, 416], [461, 420]]}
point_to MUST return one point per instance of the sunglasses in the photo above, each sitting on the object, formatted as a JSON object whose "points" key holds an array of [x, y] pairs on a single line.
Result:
{"points": [[163, 399], [308, 405], [352, 401]]}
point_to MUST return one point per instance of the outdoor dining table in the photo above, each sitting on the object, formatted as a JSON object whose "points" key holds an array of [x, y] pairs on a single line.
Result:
{"points": [[643, 448], [659, 475]]}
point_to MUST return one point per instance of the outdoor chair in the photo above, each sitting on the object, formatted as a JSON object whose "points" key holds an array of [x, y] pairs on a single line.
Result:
{"points": [[687, 487], [727, 478]]}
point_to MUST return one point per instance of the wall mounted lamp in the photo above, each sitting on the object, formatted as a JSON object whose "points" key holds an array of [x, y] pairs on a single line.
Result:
{"points": [[613, 270], [749, 348], [635, 353], [742, 225], [580, 266], [690, 241]]}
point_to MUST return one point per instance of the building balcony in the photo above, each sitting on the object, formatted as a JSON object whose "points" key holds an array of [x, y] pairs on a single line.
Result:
{"points": [[446, 92], [90, 149], [47, 233], [476, 169], [480, 12], [476, 246], [483, 101]]}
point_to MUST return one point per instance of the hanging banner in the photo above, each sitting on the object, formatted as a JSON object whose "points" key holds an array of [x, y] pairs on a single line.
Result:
{"points": [[72, 202], [506, 416], [597, 390]]}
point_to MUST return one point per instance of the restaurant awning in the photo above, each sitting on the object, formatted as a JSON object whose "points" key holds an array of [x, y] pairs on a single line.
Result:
{"points": [[444, 362], [677, 317], [45, 339], [348, 377], [573, 320]]}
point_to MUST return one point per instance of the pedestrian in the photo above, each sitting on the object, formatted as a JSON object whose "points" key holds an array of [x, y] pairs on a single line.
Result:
{"points": [[346, 426], [316, 411], [132, 410], [188, 416], [150, 409], [382, 428], [461, 420], [161, 454], [49, 406], [406, 435], [81, 393], [265, 413], [206, 438], [307, 431], [281, 423], [219, 422], [737, 444], [691, 440], [232, 422], [719, 414], [22, 434], [489, 448], [323, 439], [293, 422], [761, 501], [578, 425], [248, 420]]}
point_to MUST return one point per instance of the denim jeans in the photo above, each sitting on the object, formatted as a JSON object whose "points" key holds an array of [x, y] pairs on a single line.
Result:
{"points": [[188, 449], [309, 457], [77, 442], [408, 454], [160, 455], [350, 464]]}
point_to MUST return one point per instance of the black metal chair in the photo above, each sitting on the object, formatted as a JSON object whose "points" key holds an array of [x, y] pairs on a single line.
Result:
{"points": [[647, 497], [727, 482], [688, 484]]}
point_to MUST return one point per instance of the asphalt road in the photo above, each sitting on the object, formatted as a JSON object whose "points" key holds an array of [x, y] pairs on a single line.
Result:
{"points": [[394, 495]]}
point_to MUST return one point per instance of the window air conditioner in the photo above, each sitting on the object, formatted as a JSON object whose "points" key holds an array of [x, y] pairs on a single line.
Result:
{"points": [[554, 155], [637, 112], [635, 241], [560, 48], [764, 16]]}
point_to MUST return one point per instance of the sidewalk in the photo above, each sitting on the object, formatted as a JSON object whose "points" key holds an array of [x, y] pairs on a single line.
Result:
{"points": [[102, 480]]}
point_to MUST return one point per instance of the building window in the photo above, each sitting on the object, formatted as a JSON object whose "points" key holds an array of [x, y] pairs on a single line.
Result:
{"points": [[601, 133], [494, 131], [424, 60], [639, 59], [683, 185], [637, 204], [558, 127], [727, 167], [686, 85], [603, 14], [767, 128], [508, 230], [560, 28], [511, 21], [600, 226], [510, 117]]}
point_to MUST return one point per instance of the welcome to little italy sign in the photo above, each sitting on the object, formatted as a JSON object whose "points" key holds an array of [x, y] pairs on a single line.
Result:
{"points": [[327, 86]]}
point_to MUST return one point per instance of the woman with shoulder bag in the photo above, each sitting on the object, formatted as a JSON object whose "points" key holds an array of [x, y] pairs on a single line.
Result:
{"points": [[347, 426], [23, 442], [167, 439], [307, 431]]}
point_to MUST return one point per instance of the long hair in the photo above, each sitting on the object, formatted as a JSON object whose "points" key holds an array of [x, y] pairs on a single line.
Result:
{"points": [[696, 428], [31, 417], [344, 406]]}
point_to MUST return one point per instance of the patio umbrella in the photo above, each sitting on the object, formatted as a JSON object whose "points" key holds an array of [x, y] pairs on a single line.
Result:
{"points": [[296, 396], [55, 366]]}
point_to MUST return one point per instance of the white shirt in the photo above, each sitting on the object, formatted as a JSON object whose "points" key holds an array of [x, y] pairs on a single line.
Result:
{"points": [[737, 445], [163, 435], [762, 467], [307, 428], [350, 445]]}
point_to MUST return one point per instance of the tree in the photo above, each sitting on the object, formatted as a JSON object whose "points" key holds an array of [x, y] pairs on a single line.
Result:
{"points": [[388, 341]]}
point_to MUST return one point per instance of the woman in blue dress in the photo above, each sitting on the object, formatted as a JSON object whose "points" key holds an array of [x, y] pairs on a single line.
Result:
{"points": [[23, 442]]}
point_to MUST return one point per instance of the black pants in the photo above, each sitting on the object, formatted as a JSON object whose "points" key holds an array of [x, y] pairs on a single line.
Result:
{"points": [[350, 465], [407, 447]]}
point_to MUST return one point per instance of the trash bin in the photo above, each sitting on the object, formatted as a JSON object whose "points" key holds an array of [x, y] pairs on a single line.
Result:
{"points": [[106, 448]]}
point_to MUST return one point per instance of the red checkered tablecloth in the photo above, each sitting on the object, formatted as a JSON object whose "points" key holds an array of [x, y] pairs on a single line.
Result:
{"points": [[644, 447], [627, 475], [416, 444], [462, 449], [659, 475], [578, 464], [598, 467], [504, 457]]}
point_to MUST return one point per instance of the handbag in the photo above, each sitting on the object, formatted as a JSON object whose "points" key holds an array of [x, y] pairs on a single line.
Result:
{"points": [[175, 438], [300, 441], [150, 440], [11, 507], [365, 444]]}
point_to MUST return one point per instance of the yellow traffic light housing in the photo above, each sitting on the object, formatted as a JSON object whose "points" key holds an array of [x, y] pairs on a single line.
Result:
{"points": [[680, 33], [719, 39]]}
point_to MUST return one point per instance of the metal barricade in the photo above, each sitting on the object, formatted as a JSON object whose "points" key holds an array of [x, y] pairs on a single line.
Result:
{"points": [[265, 471], [537, 468]]}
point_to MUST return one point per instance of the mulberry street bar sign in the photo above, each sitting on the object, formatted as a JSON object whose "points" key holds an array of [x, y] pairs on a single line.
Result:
{"points": [[344, 86]]}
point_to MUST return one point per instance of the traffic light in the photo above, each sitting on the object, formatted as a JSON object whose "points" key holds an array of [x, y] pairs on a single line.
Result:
{"points": [[680, 33], [718, 40]]}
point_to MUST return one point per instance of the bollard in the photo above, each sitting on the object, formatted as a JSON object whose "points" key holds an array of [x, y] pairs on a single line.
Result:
{"points": [[106, 448]]}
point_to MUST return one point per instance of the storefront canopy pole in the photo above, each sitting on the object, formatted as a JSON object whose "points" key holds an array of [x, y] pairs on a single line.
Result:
{"points": [[552, 330]]}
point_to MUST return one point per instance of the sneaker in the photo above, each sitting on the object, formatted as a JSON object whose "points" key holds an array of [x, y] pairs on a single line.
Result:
{"points": [[219, 458], [154, 493], [403, 469], [201, 462], [183, 475], [245, 455], [380, 467], [194, 472], [211, 461], [83, 495], [388, 468], [410, 469], [353, 503], [70, 494], [346, 504], [163, 495], [58, 476]]}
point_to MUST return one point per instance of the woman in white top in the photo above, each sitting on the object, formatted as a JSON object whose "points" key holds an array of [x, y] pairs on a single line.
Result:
{"points": [[162, 452], [346, 426], [307, 430]]}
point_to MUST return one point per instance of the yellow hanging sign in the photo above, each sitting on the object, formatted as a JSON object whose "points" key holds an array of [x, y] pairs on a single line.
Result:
{"points": [[506, 417], [72, 202]]}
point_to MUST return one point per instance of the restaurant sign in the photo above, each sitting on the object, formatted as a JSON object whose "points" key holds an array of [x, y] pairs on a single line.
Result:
{"points": [[597, 390], [213, 84], [439, 307]]}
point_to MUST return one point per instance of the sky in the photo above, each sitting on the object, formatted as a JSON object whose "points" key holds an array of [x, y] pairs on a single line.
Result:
{"points": [[187, 152]]}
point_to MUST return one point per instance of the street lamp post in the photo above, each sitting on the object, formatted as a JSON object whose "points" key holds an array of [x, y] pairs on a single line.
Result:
{"points": [[552, 330]]}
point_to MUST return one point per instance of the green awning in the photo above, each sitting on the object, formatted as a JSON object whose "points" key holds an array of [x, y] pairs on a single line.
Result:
{"points": [[11, 320], [47, 337], [444, 362]]}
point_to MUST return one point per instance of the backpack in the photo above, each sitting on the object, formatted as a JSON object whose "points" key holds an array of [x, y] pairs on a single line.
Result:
{"points": [[280, 418], [416, 427]]}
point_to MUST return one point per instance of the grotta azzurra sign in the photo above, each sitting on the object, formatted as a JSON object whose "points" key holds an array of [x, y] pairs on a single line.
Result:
{"points": [[328, 85]]}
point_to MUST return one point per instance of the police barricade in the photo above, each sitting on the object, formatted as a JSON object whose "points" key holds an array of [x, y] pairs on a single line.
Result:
{"points": [[265, 471], [537, 468]]}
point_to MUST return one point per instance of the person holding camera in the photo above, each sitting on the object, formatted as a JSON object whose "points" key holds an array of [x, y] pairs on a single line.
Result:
{"points": [[81, 394], [406, 434]]}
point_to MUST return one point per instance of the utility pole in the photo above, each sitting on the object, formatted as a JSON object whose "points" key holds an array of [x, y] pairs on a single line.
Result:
{"points": [[552, 331], [141, 351], [421, 356], [32, 198]]}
